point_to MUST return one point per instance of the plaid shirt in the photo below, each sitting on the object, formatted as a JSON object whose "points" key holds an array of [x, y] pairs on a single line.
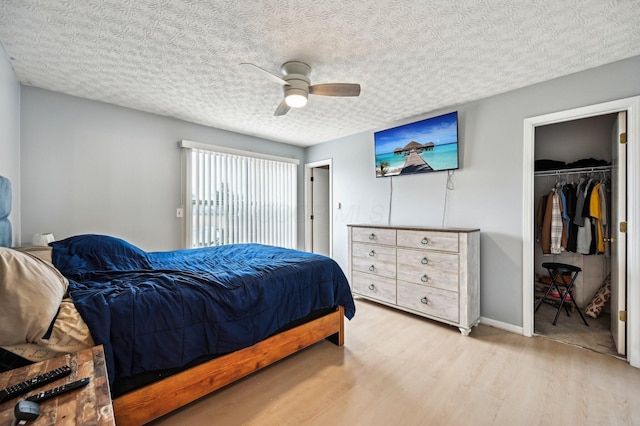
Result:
{"points": [[556, 225]]}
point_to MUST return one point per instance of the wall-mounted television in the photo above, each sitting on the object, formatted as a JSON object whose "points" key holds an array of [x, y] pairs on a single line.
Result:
{"points": [[425, 146]]}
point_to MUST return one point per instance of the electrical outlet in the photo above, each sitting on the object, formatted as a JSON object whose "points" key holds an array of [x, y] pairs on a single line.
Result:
{"points": [[179, 212]]}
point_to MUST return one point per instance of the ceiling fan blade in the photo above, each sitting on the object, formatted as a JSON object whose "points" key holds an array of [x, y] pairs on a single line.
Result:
{"points": [[265, 73], [335, 89], [282, 109]]}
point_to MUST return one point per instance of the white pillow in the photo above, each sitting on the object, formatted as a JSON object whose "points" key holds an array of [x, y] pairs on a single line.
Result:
{"points": [[31, 291]]}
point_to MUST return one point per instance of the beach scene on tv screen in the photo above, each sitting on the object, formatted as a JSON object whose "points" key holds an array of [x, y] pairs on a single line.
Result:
{"points": [[429, 145]]}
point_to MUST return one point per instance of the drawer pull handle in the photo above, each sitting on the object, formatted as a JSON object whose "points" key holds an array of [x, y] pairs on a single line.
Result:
{"points": [[372, 253], [372, 268], [425, 241], [372, 236], [372, 287], [424, 261], [425, 300], [424, 278]]}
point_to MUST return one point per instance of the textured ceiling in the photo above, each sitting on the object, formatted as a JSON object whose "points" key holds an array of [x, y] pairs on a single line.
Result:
{"points": [[181, 58]]}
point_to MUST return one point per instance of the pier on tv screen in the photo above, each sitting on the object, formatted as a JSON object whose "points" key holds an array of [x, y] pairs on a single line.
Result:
{"points": [[429, 145]]}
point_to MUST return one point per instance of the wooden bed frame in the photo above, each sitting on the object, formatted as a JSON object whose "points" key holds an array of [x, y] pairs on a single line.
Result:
{"points": [[159, 398]]}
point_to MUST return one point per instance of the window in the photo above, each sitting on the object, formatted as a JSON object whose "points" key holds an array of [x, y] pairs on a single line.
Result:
{"points": [[238, 197]]}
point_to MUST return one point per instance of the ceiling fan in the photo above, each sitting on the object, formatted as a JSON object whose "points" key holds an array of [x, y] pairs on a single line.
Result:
{"points": [[297, 86]]}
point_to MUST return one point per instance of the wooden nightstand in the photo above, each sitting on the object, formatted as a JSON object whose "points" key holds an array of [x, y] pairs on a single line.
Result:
{"points": [[90, 404]]}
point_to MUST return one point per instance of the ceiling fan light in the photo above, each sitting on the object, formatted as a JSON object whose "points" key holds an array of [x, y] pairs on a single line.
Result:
{"points": [[296, 101], [296, 98]]}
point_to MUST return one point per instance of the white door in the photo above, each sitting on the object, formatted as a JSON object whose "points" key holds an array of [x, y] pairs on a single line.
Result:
{"points": [[619, 239], [320, 227]]}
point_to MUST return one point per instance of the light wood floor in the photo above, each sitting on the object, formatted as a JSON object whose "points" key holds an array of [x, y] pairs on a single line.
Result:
{"points": [[396, 368]]}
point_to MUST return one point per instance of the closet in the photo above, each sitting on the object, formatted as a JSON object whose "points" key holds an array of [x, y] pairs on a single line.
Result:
{"points": [[572, 158]]}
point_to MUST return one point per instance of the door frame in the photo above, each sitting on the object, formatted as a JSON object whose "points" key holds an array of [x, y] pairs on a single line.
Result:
{"points": [[632, 106], [308, 226]]}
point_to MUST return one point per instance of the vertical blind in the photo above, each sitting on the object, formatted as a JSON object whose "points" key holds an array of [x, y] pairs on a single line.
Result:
{"points": [[234, 198]]}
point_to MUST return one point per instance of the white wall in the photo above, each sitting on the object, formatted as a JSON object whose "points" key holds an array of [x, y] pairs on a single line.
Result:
{"points": [[10, 136], [92, 167], [488, 186]]}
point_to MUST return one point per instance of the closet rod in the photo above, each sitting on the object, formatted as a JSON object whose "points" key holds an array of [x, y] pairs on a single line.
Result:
{"points": [[572, 171]]}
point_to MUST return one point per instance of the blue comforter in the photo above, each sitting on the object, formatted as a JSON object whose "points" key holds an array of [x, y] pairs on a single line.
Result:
{"points": [[161, 310]]}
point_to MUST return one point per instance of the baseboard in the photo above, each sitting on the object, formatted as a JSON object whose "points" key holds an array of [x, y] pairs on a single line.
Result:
{"points": [[501, 325]]}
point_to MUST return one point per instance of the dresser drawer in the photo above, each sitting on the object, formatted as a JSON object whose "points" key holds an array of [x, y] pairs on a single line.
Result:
{"points": [[430, 240], [374, 259], [378, 288], [374, 235], [429, 268], [428, 300]]}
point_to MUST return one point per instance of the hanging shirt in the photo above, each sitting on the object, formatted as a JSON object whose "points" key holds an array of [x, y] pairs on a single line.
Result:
{"points": [[603, 204], [565, 216], [542, 207], [605, 201], [556, 224], [583, 243], [577, 217], [545, 234], [595, 211], [570, 195]]}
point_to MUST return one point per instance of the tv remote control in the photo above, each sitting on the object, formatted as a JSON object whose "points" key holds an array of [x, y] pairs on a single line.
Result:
{"points": [[24, 387], [50, 393]]}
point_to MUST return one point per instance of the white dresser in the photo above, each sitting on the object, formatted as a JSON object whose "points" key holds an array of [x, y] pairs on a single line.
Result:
{"points": [[432, 272]]}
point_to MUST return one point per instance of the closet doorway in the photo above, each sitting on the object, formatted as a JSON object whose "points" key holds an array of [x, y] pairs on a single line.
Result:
{"points": [[543, 138], [577, 171]]}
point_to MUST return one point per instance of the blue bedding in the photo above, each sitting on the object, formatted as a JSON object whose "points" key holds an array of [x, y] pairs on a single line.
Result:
{"points": [[161, 310]]}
